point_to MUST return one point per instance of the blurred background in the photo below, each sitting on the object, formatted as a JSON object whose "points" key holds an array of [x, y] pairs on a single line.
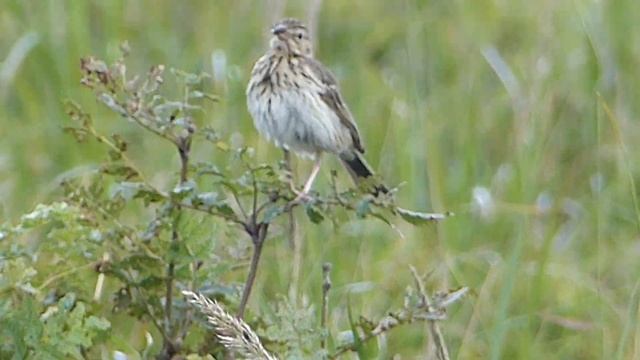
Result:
{"points": [[519, 116]]}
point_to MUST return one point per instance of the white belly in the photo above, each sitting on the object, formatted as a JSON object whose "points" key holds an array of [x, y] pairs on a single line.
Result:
{"points": [[298, 121]]}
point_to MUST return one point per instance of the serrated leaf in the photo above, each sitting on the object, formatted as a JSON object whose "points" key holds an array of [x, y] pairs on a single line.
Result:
{"points": [[126, 189], [207, 199], [314, 214], [112, 103], [168, 108], [183, 189], [203, 168], [114, 155], [209, 134], [195, 94], [420, 218], [116, 169], [97, 323], [76, 113], [67, 302], [79, 134], [203, 95], [363, 208], [49, 213], [139, 262], [119, 142], [271, 213], [23, 327], [442, 300], [188, 78], [150, 282], [225, 209], [221, 145]]}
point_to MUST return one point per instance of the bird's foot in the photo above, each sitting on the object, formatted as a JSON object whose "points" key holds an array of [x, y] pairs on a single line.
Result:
{"points": [[301, 196]]}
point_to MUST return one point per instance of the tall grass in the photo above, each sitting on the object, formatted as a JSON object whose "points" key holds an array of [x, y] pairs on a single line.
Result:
{"points": [[450, 96]]}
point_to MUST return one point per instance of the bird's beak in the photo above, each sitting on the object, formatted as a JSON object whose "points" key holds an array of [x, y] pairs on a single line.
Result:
{"points": [[278, 29]]}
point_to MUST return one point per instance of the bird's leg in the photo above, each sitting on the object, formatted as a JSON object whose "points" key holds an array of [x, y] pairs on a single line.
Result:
{"points": [[312, 177], [307, 185]]}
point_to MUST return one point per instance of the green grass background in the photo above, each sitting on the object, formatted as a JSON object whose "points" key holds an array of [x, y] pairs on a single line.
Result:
{"points": [[453, 98]]}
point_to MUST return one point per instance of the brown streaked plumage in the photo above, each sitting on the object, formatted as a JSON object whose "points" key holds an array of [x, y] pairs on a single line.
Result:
{"points": [[295, 102]]}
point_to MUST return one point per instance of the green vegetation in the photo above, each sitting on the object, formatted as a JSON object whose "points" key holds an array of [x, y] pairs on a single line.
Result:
{"points": [[518, 116]]}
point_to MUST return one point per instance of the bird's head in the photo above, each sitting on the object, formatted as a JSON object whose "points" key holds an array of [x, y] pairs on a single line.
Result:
{"points": [[291, 38]]}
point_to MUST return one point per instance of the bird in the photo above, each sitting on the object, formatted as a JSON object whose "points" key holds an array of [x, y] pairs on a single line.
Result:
{"points": [[295, 102]]}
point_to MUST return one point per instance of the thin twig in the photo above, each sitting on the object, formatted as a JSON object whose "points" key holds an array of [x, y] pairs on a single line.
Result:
{"points": [[63, 274], [210, 211], [424, 310], [326, 286], [237, 200], [254, 206], [128, 162], [436, 334], [149, 309], [258, 233], [169, 347]]}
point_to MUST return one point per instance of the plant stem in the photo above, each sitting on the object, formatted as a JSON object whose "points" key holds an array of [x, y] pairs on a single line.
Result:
{"points": [[326, 286], [258, 233], [442, 353], [169, 348]]}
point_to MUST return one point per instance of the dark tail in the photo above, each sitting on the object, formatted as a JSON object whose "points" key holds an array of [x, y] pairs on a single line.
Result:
{"points": [[361, 171]]}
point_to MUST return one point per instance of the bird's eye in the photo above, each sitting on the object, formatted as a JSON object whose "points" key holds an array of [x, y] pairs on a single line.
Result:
{"points": [[300, 36]]}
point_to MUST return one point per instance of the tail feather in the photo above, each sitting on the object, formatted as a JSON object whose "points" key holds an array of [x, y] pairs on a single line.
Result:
{"points": [[360, 171]]}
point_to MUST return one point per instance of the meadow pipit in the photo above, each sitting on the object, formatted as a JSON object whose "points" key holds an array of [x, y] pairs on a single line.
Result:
{"points": [[295, 102]]}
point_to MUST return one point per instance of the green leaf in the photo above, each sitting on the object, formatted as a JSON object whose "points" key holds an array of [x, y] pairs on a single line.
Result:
{"points": [[184, 189], [119, 142], [150, 282], [67, 302], [203, 168], [221, 145], [189, 78], [22, 328], [79, 134], [128, 190], [114, 155], [314, 213], [271, 213], [47, 213], [207, 199], [122, 170], [97, 323], [203, 95], [363, 208], [76, 113], [224, 209], [209, 134], [421, 218]]}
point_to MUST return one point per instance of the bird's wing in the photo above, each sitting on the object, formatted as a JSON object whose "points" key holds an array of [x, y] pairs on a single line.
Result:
{"points": [[330, 94]]}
